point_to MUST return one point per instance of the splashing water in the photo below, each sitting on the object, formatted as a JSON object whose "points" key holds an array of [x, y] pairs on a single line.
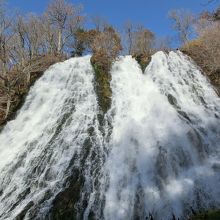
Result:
{"points": [[160, 156]]}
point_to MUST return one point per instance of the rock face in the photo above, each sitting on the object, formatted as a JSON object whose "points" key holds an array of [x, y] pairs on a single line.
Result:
{"points": [[143, 60], [64, 203], [22, 214], [102, 85]]}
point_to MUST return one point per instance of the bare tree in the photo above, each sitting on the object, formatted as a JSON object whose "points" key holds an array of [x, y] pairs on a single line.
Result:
{"points": [[34, 35], [211, 44], [50, 36], [209, 2], [75, 34], [5, 28], [216, 15], [20, 30], [99, 22], [107, 41], [58, 13], [163, 43], [143, 41], [183, 21], [139, 40], [205, 50], [129, 32], [202, 22], [106, 46], [5, 25]]}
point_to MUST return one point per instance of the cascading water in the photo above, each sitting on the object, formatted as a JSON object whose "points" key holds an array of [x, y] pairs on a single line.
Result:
{"points": [[38, 148], [159, 158], [164, 158]]}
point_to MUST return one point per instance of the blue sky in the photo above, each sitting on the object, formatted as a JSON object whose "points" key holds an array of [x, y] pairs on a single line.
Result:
{"points": [[150, 13]]}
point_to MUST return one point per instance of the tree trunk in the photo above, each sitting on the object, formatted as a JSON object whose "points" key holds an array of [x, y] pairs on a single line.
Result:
{"points": [[4, 69], [59, 41], [28, 77], [8, 106]]}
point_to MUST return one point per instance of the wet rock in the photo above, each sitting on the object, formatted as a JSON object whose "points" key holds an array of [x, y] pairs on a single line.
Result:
{"points": [[196, 140], [21, 197], [184, 115], [208, 215], [63, 206], [172, 100], [23, 213]]}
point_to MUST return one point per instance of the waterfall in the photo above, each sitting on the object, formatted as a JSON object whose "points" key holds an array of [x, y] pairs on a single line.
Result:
{"points": [[157, 153], [164, 155], [38, 148]]}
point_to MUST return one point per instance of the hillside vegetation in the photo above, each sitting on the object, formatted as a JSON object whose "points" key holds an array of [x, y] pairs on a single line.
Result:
{"points": [[205, 49]]}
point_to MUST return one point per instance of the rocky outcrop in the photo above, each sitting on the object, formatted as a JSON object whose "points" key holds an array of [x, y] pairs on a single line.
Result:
{"points": [[102, 82], [143, 60], [63, 206], [22, 214]]}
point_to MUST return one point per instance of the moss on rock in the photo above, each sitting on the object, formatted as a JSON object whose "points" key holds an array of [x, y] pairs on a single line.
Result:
{"points": [[143, 60], [102, 84], [209, 215]]}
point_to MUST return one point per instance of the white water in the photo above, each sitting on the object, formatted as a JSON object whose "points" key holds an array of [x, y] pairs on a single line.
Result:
{"points": [[161, 162], [162, 157], [36, 149]]}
